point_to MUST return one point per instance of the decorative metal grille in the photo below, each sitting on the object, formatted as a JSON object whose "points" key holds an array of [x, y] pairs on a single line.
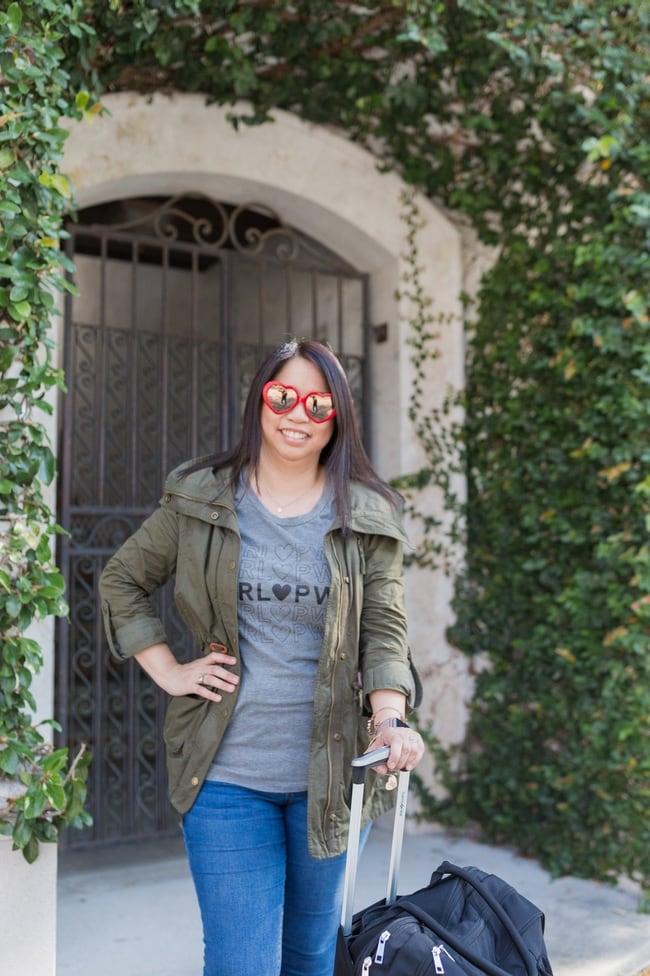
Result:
{"points": [[178, 301]]}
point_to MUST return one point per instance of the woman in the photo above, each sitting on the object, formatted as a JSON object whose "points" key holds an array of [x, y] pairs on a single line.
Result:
{"points": [[287, 552]]}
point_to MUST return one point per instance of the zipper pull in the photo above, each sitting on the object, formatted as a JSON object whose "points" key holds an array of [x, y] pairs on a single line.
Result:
{"points": [[362, 554], [358, 687], [437, 961], [367, 963], [381, 945]]}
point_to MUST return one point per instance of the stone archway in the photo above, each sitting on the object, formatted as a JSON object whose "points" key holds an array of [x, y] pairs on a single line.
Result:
{"points": [[176, 302], [331, 190]]}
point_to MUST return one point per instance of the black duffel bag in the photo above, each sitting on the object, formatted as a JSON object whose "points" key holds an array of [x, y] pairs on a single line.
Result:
{"points": [[464, 923]]}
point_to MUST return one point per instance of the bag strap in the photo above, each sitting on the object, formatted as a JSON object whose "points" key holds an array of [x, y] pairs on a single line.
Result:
{"points": [[486, 965], [498, 909], [527, 957]]}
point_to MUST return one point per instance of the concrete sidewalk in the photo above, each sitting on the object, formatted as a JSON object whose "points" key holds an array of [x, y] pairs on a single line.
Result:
{"points": [[131, 910]]}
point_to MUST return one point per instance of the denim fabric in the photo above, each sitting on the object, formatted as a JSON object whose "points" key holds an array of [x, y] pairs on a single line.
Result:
{"points": [[268, 908]]}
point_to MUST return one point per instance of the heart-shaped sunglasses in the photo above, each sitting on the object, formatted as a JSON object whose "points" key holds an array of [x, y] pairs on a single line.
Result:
{"points": [[279, 398]]}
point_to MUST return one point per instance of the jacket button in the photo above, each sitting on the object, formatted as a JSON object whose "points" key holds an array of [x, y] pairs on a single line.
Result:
{"points": [[337, 737], [195, 781], [346, 579], [214, 516], [332, 818], [232, 564], [344, 656], [168, 498]]}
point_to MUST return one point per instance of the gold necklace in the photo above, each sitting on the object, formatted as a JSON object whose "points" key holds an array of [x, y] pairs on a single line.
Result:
{"points": [[281, 507]]}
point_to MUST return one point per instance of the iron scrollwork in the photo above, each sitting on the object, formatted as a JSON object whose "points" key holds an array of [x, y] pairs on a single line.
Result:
{"points": [[252, 229]]}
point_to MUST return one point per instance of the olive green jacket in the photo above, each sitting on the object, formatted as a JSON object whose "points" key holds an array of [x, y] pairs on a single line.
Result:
{"points": [[194, 534]]}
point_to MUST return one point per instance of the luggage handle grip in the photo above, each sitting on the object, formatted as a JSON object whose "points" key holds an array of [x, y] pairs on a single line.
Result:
{"points": [[361, 764]]}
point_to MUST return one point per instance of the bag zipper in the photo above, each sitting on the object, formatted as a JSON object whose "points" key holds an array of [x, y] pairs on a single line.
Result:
{"points": [[436, 952], [381, 945]]}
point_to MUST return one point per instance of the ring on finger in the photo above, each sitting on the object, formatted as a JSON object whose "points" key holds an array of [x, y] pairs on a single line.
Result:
{"points": [[202, 679]]}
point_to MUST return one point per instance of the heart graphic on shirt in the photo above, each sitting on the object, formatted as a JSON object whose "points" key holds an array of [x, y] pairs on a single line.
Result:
{"points": [[281, 592], [285, 557]]}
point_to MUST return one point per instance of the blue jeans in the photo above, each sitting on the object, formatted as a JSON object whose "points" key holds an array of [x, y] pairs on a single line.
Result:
{"points": [[268, 908]]}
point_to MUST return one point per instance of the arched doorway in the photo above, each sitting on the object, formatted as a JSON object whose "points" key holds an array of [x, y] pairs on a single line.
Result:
{"points": [[177, 300]]}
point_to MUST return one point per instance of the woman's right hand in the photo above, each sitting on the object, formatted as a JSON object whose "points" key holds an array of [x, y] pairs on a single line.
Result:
{"points": [[207, 677]]}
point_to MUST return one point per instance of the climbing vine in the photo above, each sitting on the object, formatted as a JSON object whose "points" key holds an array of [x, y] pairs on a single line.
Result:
{"points": [[42, 791], [438, 425]]}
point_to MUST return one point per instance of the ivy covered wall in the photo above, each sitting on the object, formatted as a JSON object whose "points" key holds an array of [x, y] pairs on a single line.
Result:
{"points": [[532, 121]]}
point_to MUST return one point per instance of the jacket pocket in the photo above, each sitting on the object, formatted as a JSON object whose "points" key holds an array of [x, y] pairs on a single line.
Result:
{"points": [[184, 715], [191, 740], [109, 630]]}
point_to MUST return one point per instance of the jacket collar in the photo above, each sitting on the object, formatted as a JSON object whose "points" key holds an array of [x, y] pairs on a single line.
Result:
{"points": [[370, 513], [204, 485]]}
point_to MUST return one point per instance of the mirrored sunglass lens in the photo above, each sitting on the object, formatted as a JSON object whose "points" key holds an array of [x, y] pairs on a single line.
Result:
{"points": [[320, 405], [280, 398]]}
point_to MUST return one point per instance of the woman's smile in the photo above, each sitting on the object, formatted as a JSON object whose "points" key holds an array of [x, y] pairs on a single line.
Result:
{"points": [[293, 435]]}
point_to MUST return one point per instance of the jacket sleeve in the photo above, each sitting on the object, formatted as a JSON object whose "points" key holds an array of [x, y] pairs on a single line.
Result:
{"points": [[142, 564], [384, 646]]}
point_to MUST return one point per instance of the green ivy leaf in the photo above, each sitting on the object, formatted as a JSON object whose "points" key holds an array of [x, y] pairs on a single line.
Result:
{"points": [[9, 760], [7, 159], [13, 606], [33, 804], [55, 792], [19, 311], [30, 849], [14, 16]]}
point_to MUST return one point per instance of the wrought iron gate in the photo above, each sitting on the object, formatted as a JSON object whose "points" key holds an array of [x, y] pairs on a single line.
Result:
{"points": [[177, 301]]}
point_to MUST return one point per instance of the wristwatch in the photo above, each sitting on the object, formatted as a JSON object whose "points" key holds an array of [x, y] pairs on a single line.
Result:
{"points": [[387, 723]]}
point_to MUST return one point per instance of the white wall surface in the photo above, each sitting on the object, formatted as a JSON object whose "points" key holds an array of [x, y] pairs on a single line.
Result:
{"points": [[27, 912]]}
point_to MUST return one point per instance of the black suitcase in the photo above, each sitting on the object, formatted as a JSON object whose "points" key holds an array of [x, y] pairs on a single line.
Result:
{"points": [[465, 922]]}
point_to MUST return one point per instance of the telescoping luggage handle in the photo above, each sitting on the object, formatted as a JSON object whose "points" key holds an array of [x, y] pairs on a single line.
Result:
{"points": [[360, 766]]}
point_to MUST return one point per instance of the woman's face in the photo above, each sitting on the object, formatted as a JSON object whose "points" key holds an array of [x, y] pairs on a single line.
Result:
{"points": [[294, 436]]}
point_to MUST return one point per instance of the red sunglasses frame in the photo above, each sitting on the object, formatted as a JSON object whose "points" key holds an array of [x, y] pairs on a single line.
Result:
{"points": [[300, 399]]}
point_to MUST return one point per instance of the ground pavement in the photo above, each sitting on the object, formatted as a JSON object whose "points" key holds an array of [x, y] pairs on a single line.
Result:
{"points": [[131, 909]]}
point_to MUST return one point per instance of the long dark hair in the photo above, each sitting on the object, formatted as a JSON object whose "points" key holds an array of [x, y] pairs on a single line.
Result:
{"points": [[344, 456]]}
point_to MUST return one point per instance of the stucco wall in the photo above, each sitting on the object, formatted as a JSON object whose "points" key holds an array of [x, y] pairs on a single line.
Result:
{"points": [[27, 912]]}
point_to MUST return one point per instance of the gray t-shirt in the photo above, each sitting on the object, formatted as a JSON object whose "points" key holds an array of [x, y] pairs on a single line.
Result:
{"points": [[283, 588]]}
